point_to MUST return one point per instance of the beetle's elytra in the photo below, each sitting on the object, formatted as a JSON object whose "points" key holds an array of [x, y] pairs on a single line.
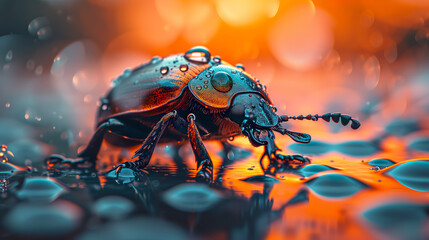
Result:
{"points": [[195, 97]]}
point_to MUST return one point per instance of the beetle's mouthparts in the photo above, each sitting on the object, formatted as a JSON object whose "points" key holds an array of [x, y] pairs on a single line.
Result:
{"points": [[336, 117], [257, 136]]}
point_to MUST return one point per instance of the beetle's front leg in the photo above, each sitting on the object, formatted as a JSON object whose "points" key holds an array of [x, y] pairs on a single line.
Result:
{"points": [[144, 153], [201, 155], [286, 161]]}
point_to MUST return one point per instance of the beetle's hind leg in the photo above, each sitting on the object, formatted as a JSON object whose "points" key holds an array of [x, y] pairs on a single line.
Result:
{"points": [[88, 156], [201, 155]]}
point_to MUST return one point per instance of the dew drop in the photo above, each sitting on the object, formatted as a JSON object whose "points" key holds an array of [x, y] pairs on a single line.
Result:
{"points": [[41, 221], [125, 176], [36, 24], [155, 59], [9, 56], [191, 197], [381, 163], [412, 174], [240, 66], [199, 87], [39, 70], [313, 148], [261, 179], [198, 54], [217, 59], [312, 169], [335, 185], [44, 33], [184, 67], [40, 189], [400, 220], [164, 70], [357, 148], [113, 207]]}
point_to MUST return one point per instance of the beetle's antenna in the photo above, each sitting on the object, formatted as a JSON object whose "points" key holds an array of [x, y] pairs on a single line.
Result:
{"points": [[345, 119]]}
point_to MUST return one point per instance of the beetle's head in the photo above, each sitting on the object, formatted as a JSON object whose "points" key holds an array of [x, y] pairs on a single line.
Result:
{"points": [[255, 115]]}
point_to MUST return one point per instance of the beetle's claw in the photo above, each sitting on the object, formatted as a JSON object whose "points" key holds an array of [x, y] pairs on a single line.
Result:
{"points": [[204, 175], [294, 160], [58, 162]]}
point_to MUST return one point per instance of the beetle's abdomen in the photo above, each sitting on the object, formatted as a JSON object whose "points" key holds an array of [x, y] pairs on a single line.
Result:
{"points": [[153, 85]]}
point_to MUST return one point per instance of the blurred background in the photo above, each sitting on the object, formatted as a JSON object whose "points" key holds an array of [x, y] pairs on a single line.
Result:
{"points": [[369, 59]]}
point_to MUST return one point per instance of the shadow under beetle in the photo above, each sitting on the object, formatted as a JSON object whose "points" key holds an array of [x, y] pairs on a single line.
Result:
{"points": [[189, 96]]}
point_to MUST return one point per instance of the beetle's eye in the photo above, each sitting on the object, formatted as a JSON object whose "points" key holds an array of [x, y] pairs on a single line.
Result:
{"points": [[221, 81]]}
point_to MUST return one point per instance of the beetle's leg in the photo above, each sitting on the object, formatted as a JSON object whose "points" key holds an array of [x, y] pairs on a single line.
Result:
{"points": [[89, 155], [144, 153], [286, 161], [201, 155]]}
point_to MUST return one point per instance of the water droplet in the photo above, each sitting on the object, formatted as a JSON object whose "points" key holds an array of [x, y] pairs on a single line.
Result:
{"points": [[82, 81], [40, 189], [9, 56], [313, 148], [44, 221], [39, 70], [125, 176], [310, 170], [155, 59], [36, 24], [198, 54], [420, 145], [7, 105], [381, 163], [199, 87], [164, 70], [402, 127], [127, 72], [357, 148], [113, 207], [335, 185], [217, 59], [261, 179], [240, 66], [191, 197], [44, 33], [184, 67], [412, 174], [399, 220], [221, 81]]}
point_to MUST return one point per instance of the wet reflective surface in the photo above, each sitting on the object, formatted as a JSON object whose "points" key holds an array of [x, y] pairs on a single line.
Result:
{"points": [[334, 196]]}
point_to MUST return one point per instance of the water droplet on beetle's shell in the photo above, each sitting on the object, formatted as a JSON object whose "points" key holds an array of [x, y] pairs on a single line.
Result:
{"points": [[199, 87], [217, 59], [155, 59], [240, 66], [221, 81], [183, 68], [198, 54], [164, 70]]}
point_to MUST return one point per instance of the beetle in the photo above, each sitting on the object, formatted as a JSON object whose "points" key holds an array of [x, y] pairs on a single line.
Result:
{"points": [[191, 96]]}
